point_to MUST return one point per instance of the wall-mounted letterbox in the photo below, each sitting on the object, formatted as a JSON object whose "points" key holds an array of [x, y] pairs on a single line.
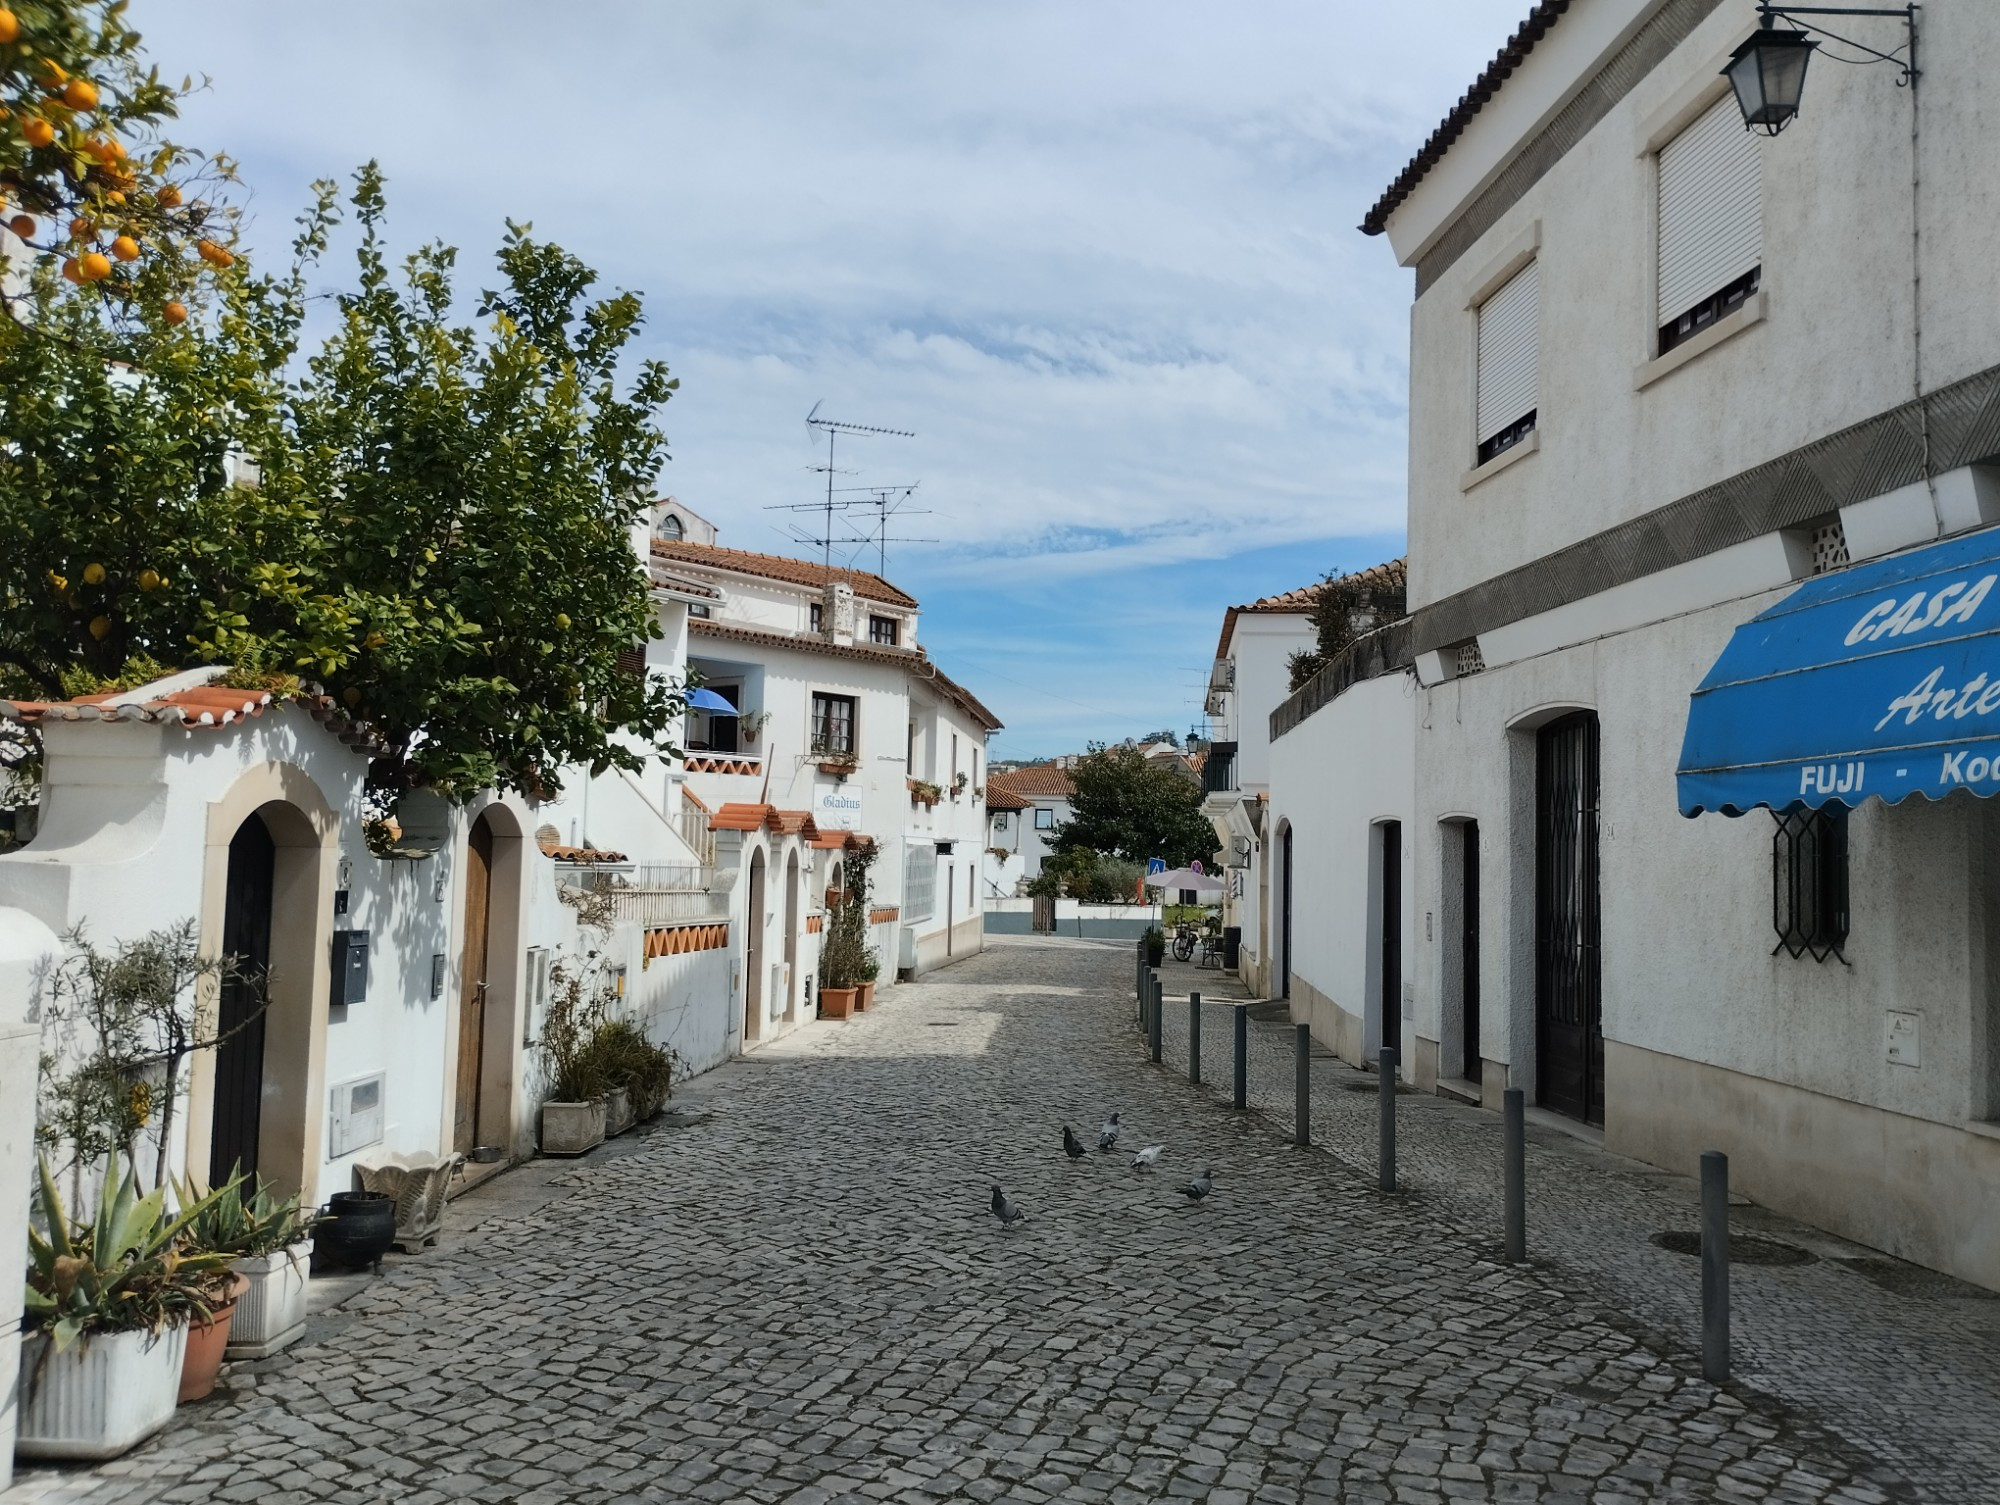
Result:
{"points": [[350, 967]]}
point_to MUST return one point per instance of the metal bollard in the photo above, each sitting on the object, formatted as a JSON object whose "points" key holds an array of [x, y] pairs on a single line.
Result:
{"points": [[1302, 1084], [1386, 1152], [1194, 1038], [1242, 1055], [1714, 1266], [1514, 1172], [1153, 1024]]}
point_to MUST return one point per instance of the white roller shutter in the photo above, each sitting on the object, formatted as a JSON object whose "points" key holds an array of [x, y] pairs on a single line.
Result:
{"points": [[1711, 208], [1508, 351]]}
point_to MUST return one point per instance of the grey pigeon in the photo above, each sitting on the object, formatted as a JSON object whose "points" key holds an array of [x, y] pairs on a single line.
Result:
{"points": [[1198, 1188], [1072, 1146], [1005, 1211], [1143, 1161], [1107, 1137]]}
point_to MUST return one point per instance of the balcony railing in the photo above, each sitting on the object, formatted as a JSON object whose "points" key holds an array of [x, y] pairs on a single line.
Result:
{"points": [[659, 893], [1218, 774]]}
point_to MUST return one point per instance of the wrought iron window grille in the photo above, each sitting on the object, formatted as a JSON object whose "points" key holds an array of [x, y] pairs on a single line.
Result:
{"points": [[1508, 437], [1717, 305], [1809, 882]]}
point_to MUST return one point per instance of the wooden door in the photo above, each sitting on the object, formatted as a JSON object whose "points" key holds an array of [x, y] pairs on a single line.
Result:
{"points": [[472, 987], [1569, 1021], [1468, 962], [239, 1059], [1389, 1004]]}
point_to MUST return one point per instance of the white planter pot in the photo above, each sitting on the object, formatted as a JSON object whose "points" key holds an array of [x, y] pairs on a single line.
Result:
{"points": [[101, 1396], [271, 1312], [572, 1128]]}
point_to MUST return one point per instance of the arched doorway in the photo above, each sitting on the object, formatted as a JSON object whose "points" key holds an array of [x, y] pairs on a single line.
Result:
{"points": [[791, 933], [473, 985], [753, 951], [237, 1115], [1285, 914]]}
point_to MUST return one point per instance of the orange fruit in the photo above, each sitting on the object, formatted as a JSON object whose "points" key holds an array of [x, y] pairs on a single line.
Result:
{"points": [[53, 77], [100, 628], [81, 229], [58, 581], [22, 225], [80, 94], [37, 131], [125, 248], [71, 271], [95, 266], [175, 313], [373, 640], [10, 26], [114, 197], [149, 580], [168, 197], [352, 695], [214, 255], [93, 574], [562, 621]]}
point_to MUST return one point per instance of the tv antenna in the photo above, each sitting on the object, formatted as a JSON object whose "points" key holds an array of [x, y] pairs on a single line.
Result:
{"points": [[832, 428], [889, 502]]}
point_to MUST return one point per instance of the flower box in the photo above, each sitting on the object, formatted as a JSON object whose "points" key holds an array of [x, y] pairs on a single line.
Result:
{"points": [[836, 1003], [101, 1396], [271, 1312], [572, 1128]]}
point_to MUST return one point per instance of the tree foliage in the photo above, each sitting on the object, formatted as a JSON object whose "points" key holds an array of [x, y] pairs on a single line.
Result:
{"points": [[430, 517], [1345, 607], [1127, 807]]}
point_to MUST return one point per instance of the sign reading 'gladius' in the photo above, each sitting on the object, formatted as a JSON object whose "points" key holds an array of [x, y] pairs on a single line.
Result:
{"points": [[1878, 681]]}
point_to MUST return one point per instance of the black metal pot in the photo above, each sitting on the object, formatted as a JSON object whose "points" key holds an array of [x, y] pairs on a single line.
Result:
{"points": [[359, 1228]]}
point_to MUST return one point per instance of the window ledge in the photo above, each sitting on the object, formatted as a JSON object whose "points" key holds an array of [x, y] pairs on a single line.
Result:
{"points": [[1528, 446], [1752, 312]]}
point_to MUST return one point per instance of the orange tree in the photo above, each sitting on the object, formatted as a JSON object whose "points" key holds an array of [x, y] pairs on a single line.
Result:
{"points": [[429, 517]]}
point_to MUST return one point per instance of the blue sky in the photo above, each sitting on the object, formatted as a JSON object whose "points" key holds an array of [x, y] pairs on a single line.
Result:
{"points": [[1099, 257]]}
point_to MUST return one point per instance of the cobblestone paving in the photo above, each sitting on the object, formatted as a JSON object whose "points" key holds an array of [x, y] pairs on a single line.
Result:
{"points": [[1901, 1360], [796, 1294]]}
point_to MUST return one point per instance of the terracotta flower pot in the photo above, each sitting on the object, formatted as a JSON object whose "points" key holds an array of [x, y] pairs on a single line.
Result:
{"points": [[205, 1343], [836, 1003], [864, 998]]}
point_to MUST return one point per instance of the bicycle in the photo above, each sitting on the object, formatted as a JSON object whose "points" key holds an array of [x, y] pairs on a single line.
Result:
{"points": [[1185, 940]]}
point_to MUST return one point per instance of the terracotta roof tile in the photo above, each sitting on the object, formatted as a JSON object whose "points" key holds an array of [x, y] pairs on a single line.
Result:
{"points": [[1390, 575], [1044, 779], [843, 841], [685, 584], [1470, 103], [913, 659], [778, 567], [742, 817], [194, 708], [964, 698], [581, 855], [1000, 797]]}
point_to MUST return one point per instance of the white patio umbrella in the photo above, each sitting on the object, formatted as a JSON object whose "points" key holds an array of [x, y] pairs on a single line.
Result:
{"points": [[1185, 880]]}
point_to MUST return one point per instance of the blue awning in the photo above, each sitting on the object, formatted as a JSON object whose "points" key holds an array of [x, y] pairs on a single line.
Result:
{"points": [[709, 701], [1876, 682]]}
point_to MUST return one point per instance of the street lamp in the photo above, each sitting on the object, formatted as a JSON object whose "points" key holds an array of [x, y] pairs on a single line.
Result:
{"points": [[1768, 72]]}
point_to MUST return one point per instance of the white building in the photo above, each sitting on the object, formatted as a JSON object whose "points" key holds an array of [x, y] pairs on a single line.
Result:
{"points": [[1250, 678], [1663, 370], [1044, 792], [847, 731]]}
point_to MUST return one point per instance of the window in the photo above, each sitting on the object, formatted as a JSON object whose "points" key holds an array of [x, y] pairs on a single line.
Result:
{"points": [[699, 611], [1509, 362], [1809, 882], [954, 759], [1045, 818], [1711, 222], [999, 820], [919, 881], [833, 723], [814, 616], [670, 528], [883, 630]]}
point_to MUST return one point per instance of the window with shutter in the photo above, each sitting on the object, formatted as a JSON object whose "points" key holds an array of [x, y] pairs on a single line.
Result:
{"points": [[1711, 188], [1509, 362]]}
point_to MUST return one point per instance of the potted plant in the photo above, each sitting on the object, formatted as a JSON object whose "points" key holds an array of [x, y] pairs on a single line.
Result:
{"points": [[750, 723], [254, 1233], [573, 1117], [1156, 946], [924, 792], [839, 764], [639, 1073], [844, 954], [107, 1309], [871, 968], [958, 785]]}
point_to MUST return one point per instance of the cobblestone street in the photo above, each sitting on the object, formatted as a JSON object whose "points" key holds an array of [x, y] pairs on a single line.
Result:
{"points": [[791, 1290]]}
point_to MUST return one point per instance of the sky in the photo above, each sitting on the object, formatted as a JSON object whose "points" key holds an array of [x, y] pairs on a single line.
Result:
{"points": [[1099, 258]]}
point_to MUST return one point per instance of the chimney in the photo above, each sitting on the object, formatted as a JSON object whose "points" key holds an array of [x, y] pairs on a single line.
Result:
{"points": [[836, 613]]}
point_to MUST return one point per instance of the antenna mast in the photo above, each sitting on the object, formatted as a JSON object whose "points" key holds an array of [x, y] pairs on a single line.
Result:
{"points": [[831, 428]]}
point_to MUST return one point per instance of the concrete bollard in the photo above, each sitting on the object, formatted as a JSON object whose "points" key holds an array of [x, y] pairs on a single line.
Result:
{"points": [[1514, 1172], [1714, 1266], [1302, 1045], [1153, 1024], [1386, 1151], [1242, 1098], [1194, 1038]]}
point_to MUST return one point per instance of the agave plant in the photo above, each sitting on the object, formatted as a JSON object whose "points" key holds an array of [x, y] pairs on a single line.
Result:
{"points": [[227, 1222], [128, 1269]]}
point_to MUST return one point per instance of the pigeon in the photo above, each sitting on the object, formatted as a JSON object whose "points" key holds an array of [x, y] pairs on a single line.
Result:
{"points": [[1072, 1146], [1005, 1211], [1143, 1161], [1107, 1137], [1196, 1189]]}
